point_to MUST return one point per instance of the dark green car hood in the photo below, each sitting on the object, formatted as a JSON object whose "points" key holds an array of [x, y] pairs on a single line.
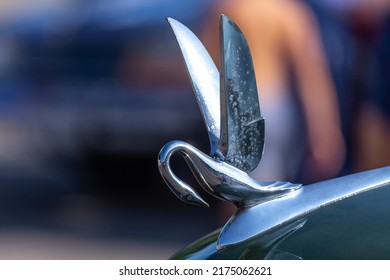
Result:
{"points": [[354, 228]]}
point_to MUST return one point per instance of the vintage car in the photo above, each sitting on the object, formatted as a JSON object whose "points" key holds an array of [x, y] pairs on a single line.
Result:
{"points": [[353, 228], [342, 218]]}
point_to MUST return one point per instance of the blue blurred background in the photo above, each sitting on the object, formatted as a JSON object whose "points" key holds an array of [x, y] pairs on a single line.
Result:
{"points": [[89, 93], [91, 90]]}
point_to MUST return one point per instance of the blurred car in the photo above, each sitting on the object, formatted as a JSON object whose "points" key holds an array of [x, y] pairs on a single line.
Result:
{"points": [[93, 74], [87, 83]]}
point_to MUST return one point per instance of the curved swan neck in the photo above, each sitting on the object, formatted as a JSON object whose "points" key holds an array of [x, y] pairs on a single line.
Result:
{"points": [[181, 189]]}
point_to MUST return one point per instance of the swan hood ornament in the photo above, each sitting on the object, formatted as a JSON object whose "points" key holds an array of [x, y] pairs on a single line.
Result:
{"points": [[230, 107], [229, 104]]}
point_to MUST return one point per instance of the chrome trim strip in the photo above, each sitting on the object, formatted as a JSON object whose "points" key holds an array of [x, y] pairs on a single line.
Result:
{"points": [[249, 222]]}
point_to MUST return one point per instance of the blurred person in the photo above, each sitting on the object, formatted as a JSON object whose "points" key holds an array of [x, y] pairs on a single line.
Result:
{"points": [[284, 42], [369, 23]]}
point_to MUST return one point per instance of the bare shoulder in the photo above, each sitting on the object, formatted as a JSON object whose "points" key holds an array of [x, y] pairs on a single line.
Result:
{"points": [[296, 14], [288, 11]]}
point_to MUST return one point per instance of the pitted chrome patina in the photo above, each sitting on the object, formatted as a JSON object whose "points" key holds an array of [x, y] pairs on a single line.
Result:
{"points": [[230, 108], [231, 112]]}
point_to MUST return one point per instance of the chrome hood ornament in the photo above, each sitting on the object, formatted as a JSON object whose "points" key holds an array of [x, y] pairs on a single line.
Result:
{"points": [[230, 108]]}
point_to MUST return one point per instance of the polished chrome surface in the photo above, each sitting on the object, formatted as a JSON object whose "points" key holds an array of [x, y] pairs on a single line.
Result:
{"points": [[241, 139], [236, 131], [204, 76], [264, 247], [249, 222], [242, 128], [218, 178]]}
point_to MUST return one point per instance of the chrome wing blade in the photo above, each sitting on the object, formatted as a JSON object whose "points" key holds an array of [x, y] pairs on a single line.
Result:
{"points": [[204, 77], [242, 127], [254, 221]]}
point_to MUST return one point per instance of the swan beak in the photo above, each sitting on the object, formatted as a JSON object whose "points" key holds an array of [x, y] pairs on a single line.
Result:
{"points": [[194, 199]]}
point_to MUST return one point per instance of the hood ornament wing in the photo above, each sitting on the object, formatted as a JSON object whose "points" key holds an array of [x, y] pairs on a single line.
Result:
{"points": [[242, 127], [228, 102], [238, 131], [204, 76], [230, 108]]}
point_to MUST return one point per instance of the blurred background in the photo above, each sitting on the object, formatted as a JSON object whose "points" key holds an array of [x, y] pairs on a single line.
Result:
{"points": [[91, 90]]}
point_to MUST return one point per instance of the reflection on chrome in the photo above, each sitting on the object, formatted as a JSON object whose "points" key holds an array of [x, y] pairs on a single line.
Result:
{"points": [[230, 108]]}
